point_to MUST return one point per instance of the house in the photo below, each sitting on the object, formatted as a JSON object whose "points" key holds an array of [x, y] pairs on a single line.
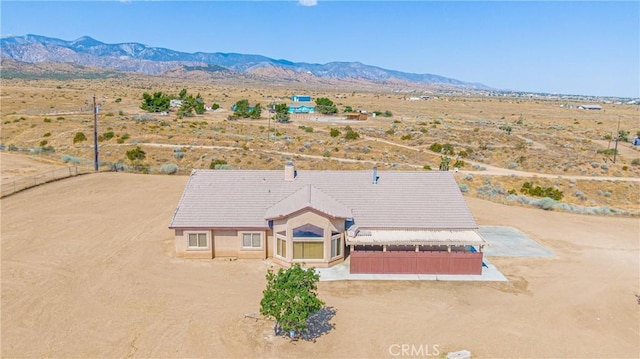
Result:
{"points": [[301, 108], [386, 222], [590, 107], [175, 103], [300, 98]]}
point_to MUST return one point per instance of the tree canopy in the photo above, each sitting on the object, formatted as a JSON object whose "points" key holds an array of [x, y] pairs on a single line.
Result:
{"points": [[325, 106], [282, 112], [290, 297], [157, 102]]}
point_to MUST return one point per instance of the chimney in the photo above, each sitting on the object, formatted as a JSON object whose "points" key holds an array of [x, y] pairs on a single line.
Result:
{"points": [[289, 171], [375, 175]]}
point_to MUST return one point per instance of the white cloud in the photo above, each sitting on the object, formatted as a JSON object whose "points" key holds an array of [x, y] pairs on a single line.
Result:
{"points": [[308, 2]]}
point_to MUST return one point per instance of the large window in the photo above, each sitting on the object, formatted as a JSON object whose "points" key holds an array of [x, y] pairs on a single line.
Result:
{"points": [[308, 250], [336, 245], [308, 242], [197, 240], [251, 240]]}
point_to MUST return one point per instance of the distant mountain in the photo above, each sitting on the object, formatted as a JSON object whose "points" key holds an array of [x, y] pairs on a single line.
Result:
{"points": [[135, 57]]}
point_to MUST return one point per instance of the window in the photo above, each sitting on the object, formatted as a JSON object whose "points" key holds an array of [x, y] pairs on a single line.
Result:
{"points": [[308, 231], [308, 250], [336, 245], [197, 240], [281, 247], [251, 240]]}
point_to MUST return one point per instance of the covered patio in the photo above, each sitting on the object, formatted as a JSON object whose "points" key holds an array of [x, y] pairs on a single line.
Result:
{"points": [[379, 251]]}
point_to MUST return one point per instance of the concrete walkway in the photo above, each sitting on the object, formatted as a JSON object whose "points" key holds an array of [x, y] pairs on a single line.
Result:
{"points": [[341, 272]]}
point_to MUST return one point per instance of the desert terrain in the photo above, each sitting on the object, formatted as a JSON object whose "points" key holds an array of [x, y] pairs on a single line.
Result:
{"points": [[88, 270], [88, 266], [551, 143]]}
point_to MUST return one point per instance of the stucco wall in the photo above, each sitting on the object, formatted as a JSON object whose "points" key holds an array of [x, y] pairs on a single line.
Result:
{"points": [[181, 244]]}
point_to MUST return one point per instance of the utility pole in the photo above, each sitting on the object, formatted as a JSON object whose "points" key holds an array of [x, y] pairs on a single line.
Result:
{"points": [[615, 150], [95, 134]]}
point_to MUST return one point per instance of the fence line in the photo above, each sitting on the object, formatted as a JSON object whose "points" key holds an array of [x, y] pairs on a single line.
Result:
{"points": [[22, 183]]}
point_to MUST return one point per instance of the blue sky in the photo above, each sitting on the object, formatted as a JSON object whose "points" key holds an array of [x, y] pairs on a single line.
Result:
{"points": [[569, 47]]}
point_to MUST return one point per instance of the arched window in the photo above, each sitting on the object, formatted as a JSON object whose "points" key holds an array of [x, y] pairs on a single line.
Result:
{"points": [[308, 242]]}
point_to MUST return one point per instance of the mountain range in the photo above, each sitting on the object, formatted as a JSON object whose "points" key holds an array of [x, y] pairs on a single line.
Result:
{"points": [[139, 58]]}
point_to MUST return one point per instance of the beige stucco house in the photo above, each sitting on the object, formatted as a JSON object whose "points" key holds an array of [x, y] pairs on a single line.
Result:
{"points": [[320, 217]]}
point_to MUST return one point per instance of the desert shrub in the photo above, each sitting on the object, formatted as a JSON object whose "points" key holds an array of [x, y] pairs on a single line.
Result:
{"points": [[427, 167], [447, 149], [334, 132], [463, 153], [222, 167], [459, 164], [468, 177], [108, 135], [464, 188], [595, 164], [350, 134], [215, 106], [43, 143], [435, 147], [118, 100], [79, 137], [366, 149], [136, 154], [216, 162], [545, 203], [406, 137], [70, 159], [512, 165], [387, 113], [47, 120], [307, 144], [48, 134], [636, 162], [609, 151], [326, 153], [537, 191], [169, 168]]}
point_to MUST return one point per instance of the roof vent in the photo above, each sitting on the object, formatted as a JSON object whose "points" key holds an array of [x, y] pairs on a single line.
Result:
{"points": [[375, 175], [289, 171]]}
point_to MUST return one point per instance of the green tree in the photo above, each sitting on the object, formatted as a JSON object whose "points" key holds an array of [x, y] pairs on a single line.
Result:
{"points": [[291, 297], [282, 113], [241, 108], [183, 94], [255, 111], [325, 106], [157, 102], [347, 109]]}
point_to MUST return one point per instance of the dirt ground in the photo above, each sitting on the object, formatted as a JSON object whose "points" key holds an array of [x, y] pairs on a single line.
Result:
{"points": [[88, 270]]}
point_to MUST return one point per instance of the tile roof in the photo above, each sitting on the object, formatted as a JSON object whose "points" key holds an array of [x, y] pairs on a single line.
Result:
{"points": [[308, 197], [399, 200]]}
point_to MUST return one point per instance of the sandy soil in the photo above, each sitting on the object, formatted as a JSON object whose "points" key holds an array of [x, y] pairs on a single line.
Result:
{"points": [[88, 270], [17, 165]]}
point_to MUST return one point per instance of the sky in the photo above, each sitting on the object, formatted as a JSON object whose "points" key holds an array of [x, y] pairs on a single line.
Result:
{"points": [[564, 47]]}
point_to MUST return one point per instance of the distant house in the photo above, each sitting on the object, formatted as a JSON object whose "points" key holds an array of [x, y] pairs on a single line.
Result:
{"points": [[175, 103], [386, 222], [301, 108], [590, 107], [300, 98], [357, 116]]}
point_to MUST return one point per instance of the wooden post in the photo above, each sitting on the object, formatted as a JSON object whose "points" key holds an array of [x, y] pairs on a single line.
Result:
{"points": [[417, 248], [449, 248]]}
